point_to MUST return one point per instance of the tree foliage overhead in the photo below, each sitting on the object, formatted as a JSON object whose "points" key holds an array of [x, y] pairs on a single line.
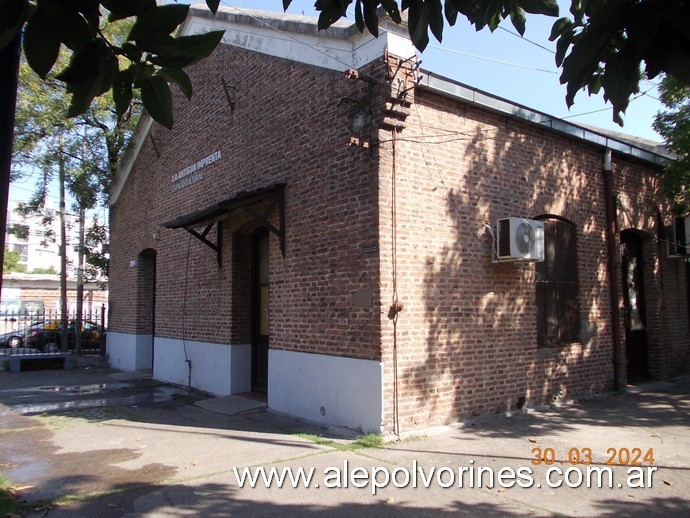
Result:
{"points": [[673, 124], [601, 45], [87, 148], [148, 59]]}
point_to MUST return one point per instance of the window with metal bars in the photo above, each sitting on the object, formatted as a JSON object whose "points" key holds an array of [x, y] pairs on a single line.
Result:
{"points": [[558, 310]]}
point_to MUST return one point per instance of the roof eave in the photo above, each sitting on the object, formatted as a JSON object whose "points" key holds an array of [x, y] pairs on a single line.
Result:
{"points": [[467, 94]]}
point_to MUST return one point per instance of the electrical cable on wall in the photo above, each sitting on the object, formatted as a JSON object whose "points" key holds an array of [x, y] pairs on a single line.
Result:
{"points": [[429, 102], [184, 316], [396, 307]]}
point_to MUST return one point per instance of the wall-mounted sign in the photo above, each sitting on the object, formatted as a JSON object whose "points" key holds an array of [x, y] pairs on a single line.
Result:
{"points": [[191, 174]]}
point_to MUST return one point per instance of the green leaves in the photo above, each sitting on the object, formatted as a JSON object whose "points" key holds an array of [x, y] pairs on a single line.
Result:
{"points": [[213, 5], [122, 91], [545, 7], [602, 44], [517, 16], [121, 9], [606, 43], [158, 20], [620, 79], [331, 11], [179, 77], [96, 65], [366, 14], [426, 16], [41, 43], [156, 96], [673, 124], [72, 21]]}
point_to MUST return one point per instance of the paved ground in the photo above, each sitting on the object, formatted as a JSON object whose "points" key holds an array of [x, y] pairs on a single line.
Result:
{"points": [[102, 446]]}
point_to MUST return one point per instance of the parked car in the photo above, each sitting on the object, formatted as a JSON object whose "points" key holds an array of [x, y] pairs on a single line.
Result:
{"points": [[46, 336], [13, 338]]}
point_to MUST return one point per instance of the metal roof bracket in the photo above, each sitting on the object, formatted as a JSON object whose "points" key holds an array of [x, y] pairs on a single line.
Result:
{"points": [[217, 246]]}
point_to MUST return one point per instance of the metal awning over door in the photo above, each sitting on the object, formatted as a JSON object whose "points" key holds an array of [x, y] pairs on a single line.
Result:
{"points": [[258, 205]]}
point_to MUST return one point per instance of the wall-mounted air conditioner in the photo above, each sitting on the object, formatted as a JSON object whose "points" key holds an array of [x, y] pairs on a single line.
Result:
{"points": [[678, 238], [519, 239]]}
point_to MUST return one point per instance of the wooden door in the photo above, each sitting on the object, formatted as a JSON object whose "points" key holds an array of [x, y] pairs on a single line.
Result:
{"points": [[636, 347], [260, 304]]}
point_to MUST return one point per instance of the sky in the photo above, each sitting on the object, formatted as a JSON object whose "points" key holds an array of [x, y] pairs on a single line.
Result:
{"points": [[504, 64], [501, 63]]}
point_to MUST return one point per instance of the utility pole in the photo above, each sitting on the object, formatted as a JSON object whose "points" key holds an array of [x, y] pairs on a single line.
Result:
{"points": [[80, 283], [63, 251], [80, 261]]}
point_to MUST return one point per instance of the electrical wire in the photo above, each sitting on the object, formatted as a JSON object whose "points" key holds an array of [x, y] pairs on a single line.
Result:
{"points": [[184, 316], [394, 312], [491, 60], [527, 40], [316, 49], [374, 79], [608, 108]]}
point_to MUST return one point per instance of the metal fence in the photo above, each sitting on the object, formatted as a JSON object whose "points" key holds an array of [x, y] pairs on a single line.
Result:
{"points": [[43, 331]]}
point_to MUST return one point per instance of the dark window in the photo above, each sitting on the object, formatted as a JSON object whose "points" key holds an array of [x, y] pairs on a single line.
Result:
{"points": [[558, 312]]}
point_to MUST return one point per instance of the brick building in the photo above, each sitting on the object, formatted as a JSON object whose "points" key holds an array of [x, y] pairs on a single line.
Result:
{"points": [[320, 226]]}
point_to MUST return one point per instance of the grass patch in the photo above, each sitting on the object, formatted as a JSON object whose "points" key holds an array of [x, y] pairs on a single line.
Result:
{"points": [[8, 502], [12, 504], [368, 441]]}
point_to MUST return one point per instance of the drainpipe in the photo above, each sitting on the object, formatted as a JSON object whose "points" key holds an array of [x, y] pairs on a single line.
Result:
{"points": [[619, 373]]}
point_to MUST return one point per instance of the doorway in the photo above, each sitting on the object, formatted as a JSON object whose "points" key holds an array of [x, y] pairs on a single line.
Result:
{"points": [[259, 309], [636, 346], [147, 299]]}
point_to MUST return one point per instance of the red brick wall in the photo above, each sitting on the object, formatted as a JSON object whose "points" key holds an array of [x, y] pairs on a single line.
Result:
{"points": [[642, 206], [466, 338], [288, 124], [465, 342]]}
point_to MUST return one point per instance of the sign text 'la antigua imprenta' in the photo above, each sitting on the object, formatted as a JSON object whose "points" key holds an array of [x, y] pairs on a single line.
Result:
{"points": [[191, 174]]}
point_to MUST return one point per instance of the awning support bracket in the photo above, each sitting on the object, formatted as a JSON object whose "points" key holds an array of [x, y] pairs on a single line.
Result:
{"points": [[217, 246], [263, 219], [246, 202]]}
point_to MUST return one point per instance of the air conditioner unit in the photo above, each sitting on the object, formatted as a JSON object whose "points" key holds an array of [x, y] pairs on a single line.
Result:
{"points": [[678, 238], [520, 239]]}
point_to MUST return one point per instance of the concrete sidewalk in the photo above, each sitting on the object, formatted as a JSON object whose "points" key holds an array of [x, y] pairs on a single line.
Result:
{"points": [[112, 447]]}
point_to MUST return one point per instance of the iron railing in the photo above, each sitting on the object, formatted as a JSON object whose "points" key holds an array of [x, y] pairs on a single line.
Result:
{"points": [[34, 332]]}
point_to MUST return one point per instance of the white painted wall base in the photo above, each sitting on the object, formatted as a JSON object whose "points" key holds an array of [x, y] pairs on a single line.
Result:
{"points": [[129, 352], [218, 369], [325, 389], [328, 390]]}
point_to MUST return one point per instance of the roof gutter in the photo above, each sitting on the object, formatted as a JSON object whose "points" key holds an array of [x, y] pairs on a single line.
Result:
{"points": [[619, 371], [458, 91]]}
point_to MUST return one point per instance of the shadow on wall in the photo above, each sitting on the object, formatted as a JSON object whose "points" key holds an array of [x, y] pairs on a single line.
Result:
{"points": [[481, 350]]}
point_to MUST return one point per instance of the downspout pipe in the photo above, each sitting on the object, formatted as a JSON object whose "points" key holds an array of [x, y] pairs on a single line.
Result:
{"points": [[619, 371]]}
